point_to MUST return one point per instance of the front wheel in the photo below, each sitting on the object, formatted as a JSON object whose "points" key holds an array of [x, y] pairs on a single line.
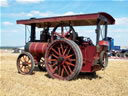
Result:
{"points": [[25, 63], [104, 59]]}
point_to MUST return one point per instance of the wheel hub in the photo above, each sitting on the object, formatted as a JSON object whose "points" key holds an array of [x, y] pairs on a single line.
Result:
{"points": [[60, 59], [24, 64]]}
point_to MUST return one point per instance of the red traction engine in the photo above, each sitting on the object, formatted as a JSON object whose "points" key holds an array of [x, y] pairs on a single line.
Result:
{"points": [[60, 50]]}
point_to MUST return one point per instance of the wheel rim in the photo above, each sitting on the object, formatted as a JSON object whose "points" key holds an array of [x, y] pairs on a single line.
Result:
{"points": [[104, 59], [118, 55], [64, 33], [61, 60], [41, 65], [25, 64], [126, 55]]}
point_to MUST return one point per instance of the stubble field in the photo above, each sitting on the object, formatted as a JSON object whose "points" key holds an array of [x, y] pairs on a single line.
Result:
{"points": [[111, 82]]}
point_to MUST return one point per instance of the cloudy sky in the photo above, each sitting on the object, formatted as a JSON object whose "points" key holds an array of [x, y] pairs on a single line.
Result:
{"points": [[11, 10]]}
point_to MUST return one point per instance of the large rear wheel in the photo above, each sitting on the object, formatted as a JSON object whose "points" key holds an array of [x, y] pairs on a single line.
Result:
{"points": [[63, 59]]}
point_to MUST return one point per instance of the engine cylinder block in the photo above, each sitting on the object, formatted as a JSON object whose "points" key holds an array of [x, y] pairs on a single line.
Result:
{"points": [[36, 48]]}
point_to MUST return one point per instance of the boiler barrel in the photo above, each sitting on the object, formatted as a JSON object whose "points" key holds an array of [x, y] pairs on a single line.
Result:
{"points": [[36, 48]]}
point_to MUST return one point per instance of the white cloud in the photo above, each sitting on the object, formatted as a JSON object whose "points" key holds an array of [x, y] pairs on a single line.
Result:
{"points": [[71, 13], [33, 13], [4, 3], [15, 14], [117, 30], [36, 13], [10, 31], [122, 21], [28, 1], [6, 23]]}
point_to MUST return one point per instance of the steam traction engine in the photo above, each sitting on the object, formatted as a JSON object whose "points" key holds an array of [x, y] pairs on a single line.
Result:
{"points": [[62, 51]]}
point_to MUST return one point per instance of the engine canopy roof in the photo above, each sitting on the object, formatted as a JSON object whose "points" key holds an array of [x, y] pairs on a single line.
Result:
{"points": [[74, 20]]}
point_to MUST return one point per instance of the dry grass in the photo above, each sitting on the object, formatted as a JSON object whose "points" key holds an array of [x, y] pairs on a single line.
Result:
{"points": [[111, 82]]}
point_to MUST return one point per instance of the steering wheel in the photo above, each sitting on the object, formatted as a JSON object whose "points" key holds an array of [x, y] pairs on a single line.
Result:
{"points": [[67, 33]]}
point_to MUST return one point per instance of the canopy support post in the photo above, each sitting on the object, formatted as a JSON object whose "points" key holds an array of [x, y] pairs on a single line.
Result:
{"points": [[33, 26], [25, 34], [98, 31], [106, 27]]}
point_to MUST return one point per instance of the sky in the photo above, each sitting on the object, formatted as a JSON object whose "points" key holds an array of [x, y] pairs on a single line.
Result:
{"points": [[12, 34]]}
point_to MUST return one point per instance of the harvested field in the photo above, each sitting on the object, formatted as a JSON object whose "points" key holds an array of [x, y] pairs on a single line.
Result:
{"points": [[111, 82]]}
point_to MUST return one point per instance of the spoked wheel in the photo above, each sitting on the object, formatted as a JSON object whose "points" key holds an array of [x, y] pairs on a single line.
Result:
{"points": [[25, 63], [63, 59], [125, 55], [41, 64], [104, 59], [65, 30], [119, 55]]}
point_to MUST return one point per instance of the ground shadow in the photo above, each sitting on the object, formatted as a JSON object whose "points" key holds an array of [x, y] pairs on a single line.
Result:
{"points": [[48, 76], [37, 69], [89, 76], [85, 75]]}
